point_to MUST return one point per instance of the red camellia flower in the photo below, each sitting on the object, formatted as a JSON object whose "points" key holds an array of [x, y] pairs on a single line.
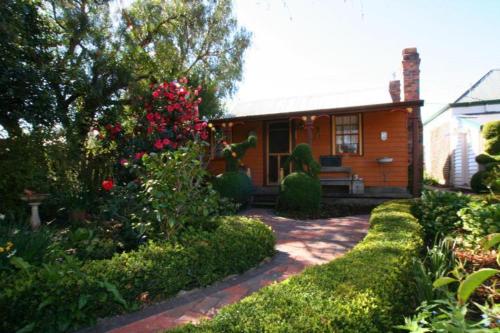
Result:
{"points": [[158, 144], [139, 155], [107, 184]]}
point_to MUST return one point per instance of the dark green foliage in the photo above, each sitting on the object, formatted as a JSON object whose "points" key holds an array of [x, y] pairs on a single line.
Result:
{"points": [[366, 290], [303, 160], [299, 192], [477, 181], [234, 185], [487, 177], [437, 212], [480, 218], [67, 294], [492, 147], [235, 152], [485, 159]]}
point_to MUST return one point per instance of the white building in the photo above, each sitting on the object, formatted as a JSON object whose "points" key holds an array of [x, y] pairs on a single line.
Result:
{"points": [[452, 136]]}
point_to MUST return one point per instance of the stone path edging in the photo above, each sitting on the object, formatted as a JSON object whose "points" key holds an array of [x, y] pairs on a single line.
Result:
{"points": [[299, 244]]}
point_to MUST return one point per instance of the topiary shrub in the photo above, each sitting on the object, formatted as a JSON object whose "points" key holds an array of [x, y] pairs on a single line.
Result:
{"points": [[235, 184], [300, 191], [303, 160], [486, 178], [477, 181]]}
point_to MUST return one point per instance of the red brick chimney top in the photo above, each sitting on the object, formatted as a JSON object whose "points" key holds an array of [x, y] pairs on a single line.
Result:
{"points": [[411, 74], [395, 90]]}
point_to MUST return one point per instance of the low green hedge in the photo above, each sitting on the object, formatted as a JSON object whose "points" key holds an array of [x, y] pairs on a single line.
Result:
{"points": [[68, 295], [367, 290]]}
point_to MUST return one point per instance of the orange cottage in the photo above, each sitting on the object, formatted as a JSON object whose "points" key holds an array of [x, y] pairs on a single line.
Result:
{"points": [[371, 150]]}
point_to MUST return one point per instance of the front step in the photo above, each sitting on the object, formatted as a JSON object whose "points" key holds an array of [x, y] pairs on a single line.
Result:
{"points": [[264, 200]]}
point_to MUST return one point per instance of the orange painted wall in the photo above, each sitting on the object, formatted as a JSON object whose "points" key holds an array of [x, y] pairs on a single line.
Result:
{"points": [[366, 166]]}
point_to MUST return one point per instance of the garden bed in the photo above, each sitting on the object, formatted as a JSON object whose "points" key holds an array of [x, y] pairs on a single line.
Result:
{"points": [[367, 290], [68, 294]]}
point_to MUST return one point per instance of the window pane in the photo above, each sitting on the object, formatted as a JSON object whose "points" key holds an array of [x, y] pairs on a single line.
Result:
{"points": [[279, 138], [283, 159], [273, 169], [347, 134]]}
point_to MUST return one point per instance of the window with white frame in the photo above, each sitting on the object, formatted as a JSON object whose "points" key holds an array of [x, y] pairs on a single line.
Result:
{"points": [[347, 134]]}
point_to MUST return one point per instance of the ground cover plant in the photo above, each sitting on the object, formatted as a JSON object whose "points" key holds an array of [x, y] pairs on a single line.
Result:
{"points": [[339, 296], [459, 273]]}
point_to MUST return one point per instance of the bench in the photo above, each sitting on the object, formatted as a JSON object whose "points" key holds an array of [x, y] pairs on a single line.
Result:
{"points": [[356, 186]]}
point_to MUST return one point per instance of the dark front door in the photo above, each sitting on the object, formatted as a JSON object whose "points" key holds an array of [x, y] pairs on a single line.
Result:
{"points": [[278, 150]]}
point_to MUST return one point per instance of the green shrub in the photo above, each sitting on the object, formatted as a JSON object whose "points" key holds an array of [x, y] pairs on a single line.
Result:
{"points": [[485, 159], [234, 185], [437, 212], [175, 188], [366, 290], [300, 192], [480, 218], [303, 160], [491, 130], [477, 183], [66, 295]]}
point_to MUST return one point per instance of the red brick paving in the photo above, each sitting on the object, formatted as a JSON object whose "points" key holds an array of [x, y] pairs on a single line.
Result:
{"points": [[299, 244]]}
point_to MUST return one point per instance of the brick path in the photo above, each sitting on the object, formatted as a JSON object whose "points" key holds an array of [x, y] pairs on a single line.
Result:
{"points": [[299, 244]]}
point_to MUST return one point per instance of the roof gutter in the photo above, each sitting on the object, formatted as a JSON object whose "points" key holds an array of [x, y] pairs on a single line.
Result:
{"points": [[333, 111]]}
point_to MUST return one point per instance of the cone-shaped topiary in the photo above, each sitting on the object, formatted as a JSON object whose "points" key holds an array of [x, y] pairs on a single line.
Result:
{"points": [[300, 191], [234, 183], [487, 176]]}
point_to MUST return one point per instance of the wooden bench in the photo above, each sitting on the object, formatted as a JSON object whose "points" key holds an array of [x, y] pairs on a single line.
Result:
{"points": [[356, 186]]}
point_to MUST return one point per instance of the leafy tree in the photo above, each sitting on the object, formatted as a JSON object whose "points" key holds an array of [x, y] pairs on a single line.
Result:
{"points": [[24, 92], [77, 63]]}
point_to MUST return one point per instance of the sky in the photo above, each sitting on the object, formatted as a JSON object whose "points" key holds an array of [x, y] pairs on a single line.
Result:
{"points": [[322, 47]]}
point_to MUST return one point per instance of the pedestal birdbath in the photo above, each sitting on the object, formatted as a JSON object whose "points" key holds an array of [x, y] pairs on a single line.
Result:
{"points": [[34, 200]]}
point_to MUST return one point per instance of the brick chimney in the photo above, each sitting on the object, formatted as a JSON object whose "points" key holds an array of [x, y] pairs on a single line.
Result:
{"points": [[395, 90], [411, 74]]}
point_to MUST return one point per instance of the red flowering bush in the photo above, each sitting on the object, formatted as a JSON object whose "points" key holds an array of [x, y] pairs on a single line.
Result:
{"points": [[107, 185], [169, 118]]}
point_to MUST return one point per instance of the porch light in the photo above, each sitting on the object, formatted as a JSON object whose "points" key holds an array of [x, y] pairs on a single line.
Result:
{"points": [[313, 117], [304, 118]]}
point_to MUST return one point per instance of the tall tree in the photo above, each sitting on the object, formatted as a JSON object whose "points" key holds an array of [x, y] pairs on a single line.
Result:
{"points": [[72, 63], [24, 91]]}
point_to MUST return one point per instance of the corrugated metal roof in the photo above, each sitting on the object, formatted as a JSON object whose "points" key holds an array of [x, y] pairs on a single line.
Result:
{"points": [[307, 103], [487, 88]]}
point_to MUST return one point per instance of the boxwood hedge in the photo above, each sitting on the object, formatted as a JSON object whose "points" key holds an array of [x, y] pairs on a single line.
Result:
{"points": [[66, 295], [367, 290]]}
